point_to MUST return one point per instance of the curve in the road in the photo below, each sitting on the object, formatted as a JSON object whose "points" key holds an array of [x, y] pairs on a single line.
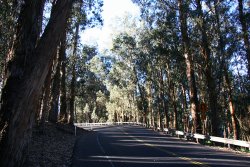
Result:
{"points": [[165, 151], [134, 146]]}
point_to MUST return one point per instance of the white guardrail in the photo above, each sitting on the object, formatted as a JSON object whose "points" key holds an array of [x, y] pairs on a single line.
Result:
{"points": [[178, 133], [90, 126], [208, 138], [107, 124]]}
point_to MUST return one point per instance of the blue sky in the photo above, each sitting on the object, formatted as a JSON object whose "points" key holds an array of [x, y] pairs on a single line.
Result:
{"points": [[112, 10]]}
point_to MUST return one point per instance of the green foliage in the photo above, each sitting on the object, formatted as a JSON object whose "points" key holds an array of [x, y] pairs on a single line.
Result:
{"points": [[157, 46], [88, 13], [8, 16]]}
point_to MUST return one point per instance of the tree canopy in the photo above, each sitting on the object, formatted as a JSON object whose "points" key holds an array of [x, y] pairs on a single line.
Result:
{"points": [[183, 64]]}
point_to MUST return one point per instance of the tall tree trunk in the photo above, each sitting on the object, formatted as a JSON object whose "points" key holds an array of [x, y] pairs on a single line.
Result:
{"points": [[63, 102], [194, 109], [245, 34], [172, 98], [73, 80], [46, 98], [184, 108], [72, 94], [150, 107], [23, 46], [231, 107], [175, 108], [55, 90], [162, 97], [224, 68], [142, 96], [208, 72], [159, 117], [166, 114], [28, 70], [173, 104]]}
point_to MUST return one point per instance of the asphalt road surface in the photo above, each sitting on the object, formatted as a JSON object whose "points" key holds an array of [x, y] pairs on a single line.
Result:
{"points": [[135, 146]]}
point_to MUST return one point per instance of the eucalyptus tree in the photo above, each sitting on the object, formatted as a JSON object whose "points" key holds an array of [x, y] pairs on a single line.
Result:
{"points": [[30, 64], [239, 78], [63, 92], [210, 79], [101, 108], [224, 46], [214, 53], [245, 30], [8, 16], [32, 53], [87, 111], [92, 9], [221, 30], [190, 73], [55, 89], [78, 18], [99, 67], [220, 41], [58, 80], [164, 47], [45, 99], [148, 61], [123, 75], [120, 105], [90, 87], [170, 61], [89, 90], [48, 107]]}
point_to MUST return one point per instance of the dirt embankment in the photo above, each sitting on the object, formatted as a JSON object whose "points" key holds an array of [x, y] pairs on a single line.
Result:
{"points": [[52, 145]]}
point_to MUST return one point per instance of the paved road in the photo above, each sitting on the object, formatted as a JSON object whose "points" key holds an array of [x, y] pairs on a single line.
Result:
{"points": [[134, 146]]}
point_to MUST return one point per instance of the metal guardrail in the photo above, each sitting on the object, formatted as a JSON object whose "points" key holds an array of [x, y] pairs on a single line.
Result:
{"points": [[90, 126], [107, 124], [208, 138]]}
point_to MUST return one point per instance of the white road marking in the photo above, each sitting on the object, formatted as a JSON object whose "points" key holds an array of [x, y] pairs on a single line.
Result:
{"points": [[102, 149]]}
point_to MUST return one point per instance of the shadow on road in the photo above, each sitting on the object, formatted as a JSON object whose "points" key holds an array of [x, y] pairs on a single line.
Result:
{"points": [[134, 146]]}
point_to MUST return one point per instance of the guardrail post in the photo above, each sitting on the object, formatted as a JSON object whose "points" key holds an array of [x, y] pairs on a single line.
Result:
{"points": [[228, 145]]}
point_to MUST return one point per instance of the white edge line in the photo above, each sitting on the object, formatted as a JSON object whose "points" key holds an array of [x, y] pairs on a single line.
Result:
{"points": [[102, 149]]}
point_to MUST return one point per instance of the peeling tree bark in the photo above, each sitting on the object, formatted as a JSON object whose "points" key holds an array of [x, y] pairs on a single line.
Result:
{"points": [[206, 52], [194, 109], [224, 68]]}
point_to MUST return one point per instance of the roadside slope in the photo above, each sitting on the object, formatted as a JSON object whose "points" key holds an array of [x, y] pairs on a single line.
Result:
{"points": [[52, 146]]}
